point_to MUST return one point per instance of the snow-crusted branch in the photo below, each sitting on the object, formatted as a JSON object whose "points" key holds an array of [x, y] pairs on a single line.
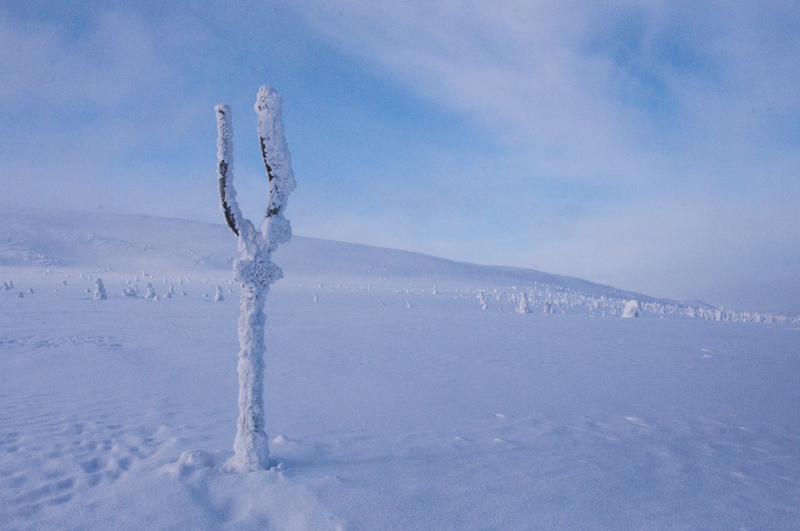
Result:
{"points": [[278, 162], [227, 194]]}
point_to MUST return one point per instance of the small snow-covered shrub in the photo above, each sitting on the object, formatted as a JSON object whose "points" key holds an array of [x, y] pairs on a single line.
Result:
{"points": [[218, 296], [130, 292]]}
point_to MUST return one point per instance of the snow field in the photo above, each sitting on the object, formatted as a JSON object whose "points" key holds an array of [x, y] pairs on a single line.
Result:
{"points": [[119, 413]]}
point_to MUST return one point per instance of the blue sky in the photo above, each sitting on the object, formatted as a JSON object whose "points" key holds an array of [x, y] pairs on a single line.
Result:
{"points": [[654, 146]]}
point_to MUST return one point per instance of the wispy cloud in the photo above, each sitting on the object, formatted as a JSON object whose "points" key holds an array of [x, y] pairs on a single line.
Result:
{"points": [[621, 91]]}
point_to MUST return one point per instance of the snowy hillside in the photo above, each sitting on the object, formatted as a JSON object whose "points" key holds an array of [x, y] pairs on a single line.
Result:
{"points": [[402, 392], [127, 244]]}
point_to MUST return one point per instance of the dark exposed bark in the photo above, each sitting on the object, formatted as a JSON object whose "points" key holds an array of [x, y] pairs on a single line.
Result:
{"points": [[270, 211], [223, 171], [264, 158]]}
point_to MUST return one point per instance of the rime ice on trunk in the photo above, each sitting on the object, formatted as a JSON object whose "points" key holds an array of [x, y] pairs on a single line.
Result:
{"points": [[255, 269]]}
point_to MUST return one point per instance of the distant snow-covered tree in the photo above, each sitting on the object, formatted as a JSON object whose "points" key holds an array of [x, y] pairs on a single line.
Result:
{"points": [[522, 306], [255, 270], [218, 296], [151, 292], [482, 301], [99, 290], [631, 309]]}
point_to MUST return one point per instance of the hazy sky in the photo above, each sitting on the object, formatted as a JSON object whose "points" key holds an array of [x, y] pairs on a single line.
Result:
{"points": [[650, 145]]}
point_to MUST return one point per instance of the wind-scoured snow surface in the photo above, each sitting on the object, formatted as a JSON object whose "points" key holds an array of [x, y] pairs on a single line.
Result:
{"points": [[387, 406]]}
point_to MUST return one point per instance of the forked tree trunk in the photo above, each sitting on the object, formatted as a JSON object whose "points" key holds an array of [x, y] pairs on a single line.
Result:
{"points": [[255, 269]]}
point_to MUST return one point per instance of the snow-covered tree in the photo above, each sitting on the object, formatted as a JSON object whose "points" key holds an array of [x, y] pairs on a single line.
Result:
{"points": [[631, 309], [523, 307], [151, 292], [255, 270], [99, 290], [218, 296], [482, 301]]}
